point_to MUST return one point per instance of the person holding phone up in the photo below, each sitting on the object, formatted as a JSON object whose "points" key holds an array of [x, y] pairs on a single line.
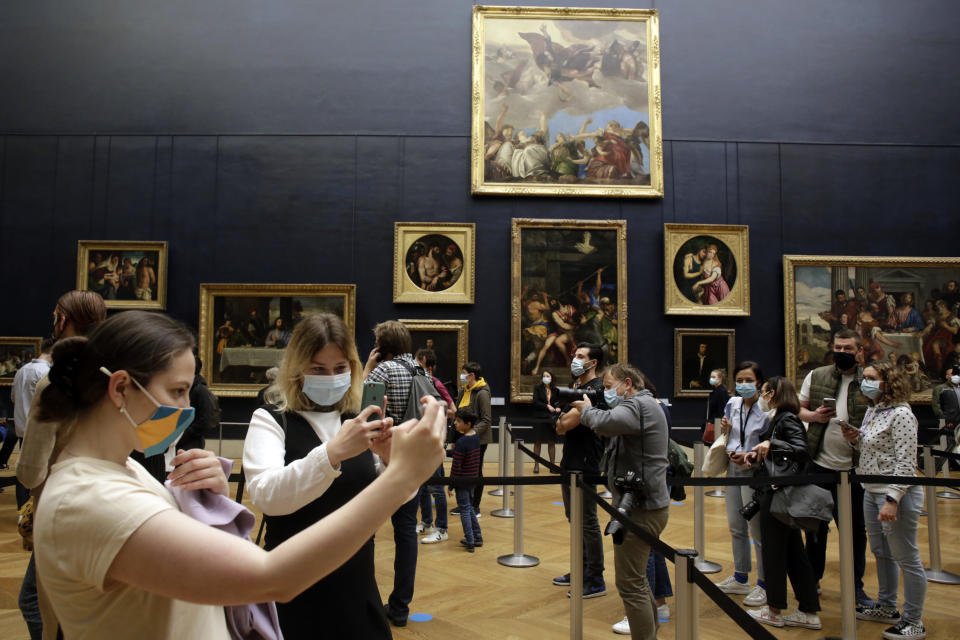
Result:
{"points": [[829, 397], [303, 459], [743, 422]]}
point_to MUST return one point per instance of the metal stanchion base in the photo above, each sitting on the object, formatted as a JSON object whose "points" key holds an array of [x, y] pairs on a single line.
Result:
{"points": [[496, 492], [716, 493], [502, 513], [705, 566], [949, 495], [606, 495], [518, 560], [941, 577]]}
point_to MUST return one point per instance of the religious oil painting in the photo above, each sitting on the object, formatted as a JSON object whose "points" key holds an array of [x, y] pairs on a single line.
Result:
{"points": [[566, 102], [904, 309], [433, 262], [448, 340], [14, 353], [697, 353], [568, 288], [707, 268], [128, 274], [245, 328]]}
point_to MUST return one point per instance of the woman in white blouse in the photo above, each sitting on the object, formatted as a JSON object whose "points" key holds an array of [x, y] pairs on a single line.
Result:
{"points": [[888, 446], [303, 459]]}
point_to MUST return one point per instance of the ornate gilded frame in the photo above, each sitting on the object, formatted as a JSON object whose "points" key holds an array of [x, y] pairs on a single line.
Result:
{"points": [[209, 293], [406, 234], [8, 342], [893, 273], [484, 19], [677, 241], [136, 247], [521, 385], [713, 336], [461, 331]]}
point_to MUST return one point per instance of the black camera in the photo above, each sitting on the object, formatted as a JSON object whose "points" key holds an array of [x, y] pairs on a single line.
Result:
{"points": [[566, 395], [752, 508], [632, 489]]}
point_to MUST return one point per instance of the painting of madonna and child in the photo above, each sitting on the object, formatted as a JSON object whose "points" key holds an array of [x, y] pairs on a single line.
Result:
{"points": [[569, 289], [708, 269], [904, 309], [566, 102]]}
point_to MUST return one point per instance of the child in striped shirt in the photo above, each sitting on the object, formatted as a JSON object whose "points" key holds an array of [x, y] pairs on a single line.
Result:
{"points": [[466, 464]]}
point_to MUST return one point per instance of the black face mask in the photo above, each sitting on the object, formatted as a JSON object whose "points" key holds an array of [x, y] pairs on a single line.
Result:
{"points": [[844, 361]]}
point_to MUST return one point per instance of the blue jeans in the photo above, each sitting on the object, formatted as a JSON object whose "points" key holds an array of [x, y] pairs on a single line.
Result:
{"points": [[895, 546], [404, 522], [468, 517], [29, 603], [658, 576], [740, 529], [439, 498]]}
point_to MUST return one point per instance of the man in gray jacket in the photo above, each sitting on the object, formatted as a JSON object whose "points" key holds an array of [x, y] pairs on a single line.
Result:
{"points": [[637, 431]]}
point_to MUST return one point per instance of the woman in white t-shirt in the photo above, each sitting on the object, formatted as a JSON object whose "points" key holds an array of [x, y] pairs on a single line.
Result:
{"points": [[114, 554]]}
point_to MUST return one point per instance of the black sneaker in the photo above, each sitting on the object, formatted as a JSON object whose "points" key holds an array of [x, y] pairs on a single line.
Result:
{"points": [[455, 511], [562, 581], [879, 613], [476, 543], [904, 629], [594, 590], [395, 621]]}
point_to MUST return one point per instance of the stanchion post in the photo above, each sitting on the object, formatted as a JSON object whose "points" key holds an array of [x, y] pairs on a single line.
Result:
{"points": [[945, 492], [576, 556], [699, 533], [504, 511], [848, 593], [688, 611], [935, 573], [501, 456], [517, 558]]}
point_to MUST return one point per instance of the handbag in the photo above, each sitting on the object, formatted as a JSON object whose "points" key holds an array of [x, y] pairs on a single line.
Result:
{"points": [[716, 461], [709, 433]]}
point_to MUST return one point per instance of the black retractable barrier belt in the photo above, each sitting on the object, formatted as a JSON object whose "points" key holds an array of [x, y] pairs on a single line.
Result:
{"points": [[549, 465], [907, 480], [945, 454], [739, 615]]}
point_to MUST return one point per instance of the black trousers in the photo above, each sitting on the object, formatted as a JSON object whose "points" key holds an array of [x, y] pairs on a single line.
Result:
{"points": [[8, 444], [817, 545], [784, 557]]}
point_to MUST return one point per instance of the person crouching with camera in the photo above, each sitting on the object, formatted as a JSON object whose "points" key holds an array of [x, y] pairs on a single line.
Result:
{"points": [[636, 468], [783, 446]]}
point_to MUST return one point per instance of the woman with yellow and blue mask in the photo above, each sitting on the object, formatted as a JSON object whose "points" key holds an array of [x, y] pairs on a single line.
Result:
{"points": [[113, 550]]}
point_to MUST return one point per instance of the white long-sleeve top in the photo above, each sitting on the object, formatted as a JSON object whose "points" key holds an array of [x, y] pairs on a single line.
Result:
{"points": [[277, 488], [888, 447]]}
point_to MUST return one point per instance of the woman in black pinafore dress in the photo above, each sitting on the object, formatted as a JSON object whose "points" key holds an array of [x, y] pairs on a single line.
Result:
{"points": [[304, 459]]}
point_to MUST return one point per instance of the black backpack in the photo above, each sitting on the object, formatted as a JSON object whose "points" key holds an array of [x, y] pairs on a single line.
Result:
{"points": [[420, 385]]}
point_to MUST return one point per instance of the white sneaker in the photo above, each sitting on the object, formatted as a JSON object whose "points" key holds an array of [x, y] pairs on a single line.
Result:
{"points": [[756, 598], [730, 585], [437, 536], [800, 619], [766, 616], [622, 627], [663, 612], [419, 527]]}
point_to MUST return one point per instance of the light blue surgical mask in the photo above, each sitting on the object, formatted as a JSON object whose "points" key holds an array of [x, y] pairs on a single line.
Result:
{"points": [[326, 391], [746, 389], [547, 380], [714, 382], [577, 368], [161, 429], [463, 378], [870, 388], [611, 398]]}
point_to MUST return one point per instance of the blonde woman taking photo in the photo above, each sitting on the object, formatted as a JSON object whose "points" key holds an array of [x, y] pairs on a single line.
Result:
{"points": [[113, 551]]}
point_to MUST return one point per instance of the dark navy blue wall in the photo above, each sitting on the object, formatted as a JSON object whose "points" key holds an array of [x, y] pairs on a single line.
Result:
{"points": [[278, 142]]}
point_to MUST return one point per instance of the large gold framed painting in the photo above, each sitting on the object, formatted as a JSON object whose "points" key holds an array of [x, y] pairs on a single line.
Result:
{"points": [[566, 102], [568, 287], [905, 310]]}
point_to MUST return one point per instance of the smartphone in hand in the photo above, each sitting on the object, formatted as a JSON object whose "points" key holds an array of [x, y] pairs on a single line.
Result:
{"points": [[830, 403], [373, 393]]}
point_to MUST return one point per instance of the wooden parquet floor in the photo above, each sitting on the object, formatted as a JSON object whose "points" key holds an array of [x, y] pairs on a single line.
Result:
{"points": [[473, 597]]}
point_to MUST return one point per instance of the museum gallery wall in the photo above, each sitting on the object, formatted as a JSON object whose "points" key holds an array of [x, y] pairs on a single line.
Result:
{"points": [[283, 143]]}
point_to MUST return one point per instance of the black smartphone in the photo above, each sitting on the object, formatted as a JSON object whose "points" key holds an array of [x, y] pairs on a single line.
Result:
{"points": [[830, 403], [373, 393]]}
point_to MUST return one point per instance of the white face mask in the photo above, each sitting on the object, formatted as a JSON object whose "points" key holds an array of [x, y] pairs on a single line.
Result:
{"points": [[955, 380], [547, 380], [326, 391]]}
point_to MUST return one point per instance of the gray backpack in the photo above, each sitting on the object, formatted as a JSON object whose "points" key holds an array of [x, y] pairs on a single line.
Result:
{"points": [[420, 385]]}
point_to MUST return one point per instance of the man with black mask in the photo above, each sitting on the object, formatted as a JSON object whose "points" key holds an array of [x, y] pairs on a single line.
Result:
{"points": [[581, 452], [834, 392]]}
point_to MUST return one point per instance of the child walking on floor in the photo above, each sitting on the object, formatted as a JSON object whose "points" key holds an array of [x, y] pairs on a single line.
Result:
{"points": [[466, 464]]}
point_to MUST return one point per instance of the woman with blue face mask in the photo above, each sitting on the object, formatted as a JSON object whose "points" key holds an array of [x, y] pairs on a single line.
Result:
{"points": [[743, 422], [887, 441], [115, 553], [303, 460]]}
